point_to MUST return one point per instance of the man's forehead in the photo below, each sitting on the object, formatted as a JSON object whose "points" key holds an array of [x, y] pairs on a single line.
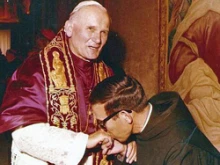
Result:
{"points": [[98, 107], [92, 16], [91, 11], [99, 110], [87, 10]]}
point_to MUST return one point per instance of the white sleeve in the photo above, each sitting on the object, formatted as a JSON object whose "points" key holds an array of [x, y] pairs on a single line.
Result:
{"points": [[51, 144]]}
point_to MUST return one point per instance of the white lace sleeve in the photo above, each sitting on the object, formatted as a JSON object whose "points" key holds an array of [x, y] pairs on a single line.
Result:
{"points": [[51, 144]]}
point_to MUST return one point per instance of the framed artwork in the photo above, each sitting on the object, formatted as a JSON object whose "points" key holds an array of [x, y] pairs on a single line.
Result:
{"points": [[171, 13], [189, 59], [8, 11], [163, 43]]}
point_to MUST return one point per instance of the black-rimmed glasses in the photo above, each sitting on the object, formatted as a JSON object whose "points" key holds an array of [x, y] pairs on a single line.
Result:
{"points": [[101, 123]]}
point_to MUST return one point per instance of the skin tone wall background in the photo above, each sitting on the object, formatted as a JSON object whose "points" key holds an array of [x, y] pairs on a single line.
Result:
{"points": [[138, 25]]}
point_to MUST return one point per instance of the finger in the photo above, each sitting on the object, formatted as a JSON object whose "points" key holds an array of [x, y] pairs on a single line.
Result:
{"points": [[130, 150], [109, 152], [131, 159], [105, 145], [104, 151], [108, 142], [131, 153]]}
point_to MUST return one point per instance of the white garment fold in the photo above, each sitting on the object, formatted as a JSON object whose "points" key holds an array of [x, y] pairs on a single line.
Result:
{"points": [[40, 143]]}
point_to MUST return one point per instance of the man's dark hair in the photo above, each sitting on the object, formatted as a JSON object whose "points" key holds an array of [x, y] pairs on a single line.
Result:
{"points": [[119, 93]]}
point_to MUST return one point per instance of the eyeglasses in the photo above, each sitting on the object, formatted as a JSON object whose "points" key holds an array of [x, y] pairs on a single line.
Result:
{"points": [[101, 123]]}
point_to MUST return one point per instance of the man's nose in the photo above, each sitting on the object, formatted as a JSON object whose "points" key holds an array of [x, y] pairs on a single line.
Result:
{"points": [[97, 37]]}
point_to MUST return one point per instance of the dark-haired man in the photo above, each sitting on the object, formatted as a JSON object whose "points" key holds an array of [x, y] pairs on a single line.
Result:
{"points": [[164, 128]]}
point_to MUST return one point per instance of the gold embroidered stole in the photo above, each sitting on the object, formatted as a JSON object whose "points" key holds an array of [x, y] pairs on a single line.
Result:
{"points": [[60, 84]]}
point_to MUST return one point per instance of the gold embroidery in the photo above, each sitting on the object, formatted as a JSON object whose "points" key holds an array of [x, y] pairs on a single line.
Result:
{"points": [[101, 72], [58, 74], [96, 157], [68, 66], [104, 160], [61, 95], [56, 121], [73, 121], [64, 104]]}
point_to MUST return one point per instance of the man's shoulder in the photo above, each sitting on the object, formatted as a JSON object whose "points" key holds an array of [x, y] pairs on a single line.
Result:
{"points": [[167, 100], [165, 97]]}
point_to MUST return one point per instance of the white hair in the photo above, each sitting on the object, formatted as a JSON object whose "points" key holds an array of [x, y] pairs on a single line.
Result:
{"points": [[85, 3], [76, 9]]}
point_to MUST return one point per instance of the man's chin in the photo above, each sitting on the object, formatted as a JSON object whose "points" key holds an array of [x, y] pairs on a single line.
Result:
{"points": [[92, 55], [89, 59]]}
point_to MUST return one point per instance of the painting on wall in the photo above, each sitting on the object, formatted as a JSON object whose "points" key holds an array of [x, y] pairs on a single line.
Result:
{"points": [[190, 59], [8, 11]]}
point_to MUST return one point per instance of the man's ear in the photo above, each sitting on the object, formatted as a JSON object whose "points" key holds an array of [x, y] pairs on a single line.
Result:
{"points": [[68, 28], [126, 116]]}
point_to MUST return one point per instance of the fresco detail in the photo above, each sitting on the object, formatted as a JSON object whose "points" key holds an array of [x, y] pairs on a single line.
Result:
{"points": [[193, 60]]}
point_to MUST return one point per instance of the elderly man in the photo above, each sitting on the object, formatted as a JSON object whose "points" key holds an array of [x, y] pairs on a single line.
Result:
{"points": [[164, 128], [46, 104]]}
